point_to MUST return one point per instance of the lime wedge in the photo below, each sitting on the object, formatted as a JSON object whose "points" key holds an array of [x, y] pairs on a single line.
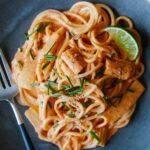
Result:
{"points": [[124, 40]]}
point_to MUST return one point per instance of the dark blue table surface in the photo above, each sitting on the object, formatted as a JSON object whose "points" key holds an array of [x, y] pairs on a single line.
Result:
{"points": [[16, 17]]}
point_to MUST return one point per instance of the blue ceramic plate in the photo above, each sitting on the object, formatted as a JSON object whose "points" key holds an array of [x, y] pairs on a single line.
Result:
{"points": [[16, 17]]}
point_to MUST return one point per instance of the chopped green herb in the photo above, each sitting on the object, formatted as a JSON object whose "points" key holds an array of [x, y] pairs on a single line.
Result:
{"points": [[71, 85], [86, 79], [82, 82], [55, 71], [100, 72], [31, 55], [42, 27], [57, 91], [49, 88], [95, 136], [76, 91], [45, 65], [50, 48], [49, 57], [49, 104], [55, 125], [65, 106], [56, 84], [130, 90], [52, 83], [71, 115], [35, 84], [87, 103], [105, 98]]}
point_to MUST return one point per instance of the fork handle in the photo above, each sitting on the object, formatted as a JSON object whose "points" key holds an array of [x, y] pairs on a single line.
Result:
{"points": [[24, 133], [26, 138]]}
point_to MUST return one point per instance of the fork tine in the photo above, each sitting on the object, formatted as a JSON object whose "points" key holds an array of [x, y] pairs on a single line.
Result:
{"points": [[6, 66], [3, 77], [1, 85]]}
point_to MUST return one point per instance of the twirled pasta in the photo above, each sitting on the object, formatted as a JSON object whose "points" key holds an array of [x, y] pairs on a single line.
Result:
{"points": [[46, 80]]}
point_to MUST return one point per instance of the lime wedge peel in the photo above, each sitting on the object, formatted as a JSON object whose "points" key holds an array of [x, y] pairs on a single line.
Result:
{"points": [[124, 40]]}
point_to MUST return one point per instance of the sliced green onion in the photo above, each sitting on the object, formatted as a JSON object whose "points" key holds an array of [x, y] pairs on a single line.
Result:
{"points": [[82, 82], [71, 85], [65, 106], [100, 72], [49, 104], [95, 136], [57, 91], [76, 91], [35, 84], [45, 65], [71, 115], [87, 103], [56, 84], [50, 48], [105, 98], [49, 88], [31, 55], [55, 71], [42, 27], [49, 57], [52, 83], [130, 90], [87, 80], [55, 125]]}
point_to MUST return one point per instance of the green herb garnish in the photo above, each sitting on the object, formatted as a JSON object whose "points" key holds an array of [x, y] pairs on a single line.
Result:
{"points": [[76, 91], [87, 103], [55, 125], [71, 85], [50, 48], [105, 98], [56, 84], [35, 84], [93, 134], [52, 83], [40, 28], [57, 91], [31, 55], [49, 57], [82, 82], [45, 65], [49, 88], [55, 71], [65, 106], [71, 115]]}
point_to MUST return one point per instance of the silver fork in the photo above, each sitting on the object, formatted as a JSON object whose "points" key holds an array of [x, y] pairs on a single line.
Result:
{"points": [[8, 91]]}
